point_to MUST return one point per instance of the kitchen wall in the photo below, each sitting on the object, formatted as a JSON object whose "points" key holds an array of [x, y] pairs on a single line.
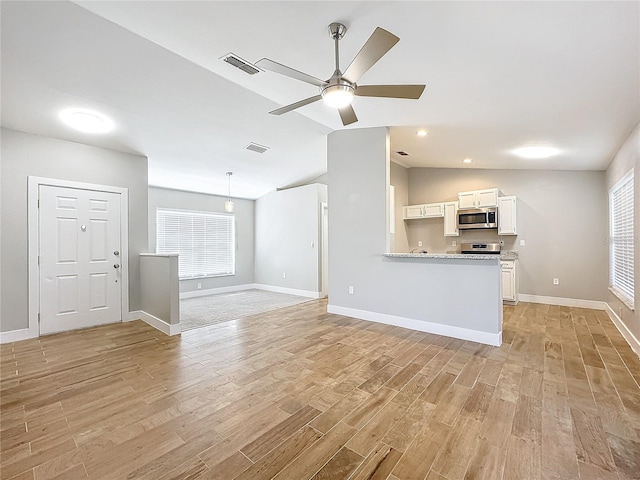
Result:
{"points": [[244, 212], [562, 217], [26, 155], [288, 238], [628, 157], [399, 178]]}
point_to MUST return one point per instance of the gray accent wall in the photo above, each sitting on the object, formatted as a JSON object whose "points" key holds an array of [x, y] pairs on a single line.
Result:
{"points": [[26, 155], [400, 180], [628, 157], [288, 238], [562, 217], [244, 213]]}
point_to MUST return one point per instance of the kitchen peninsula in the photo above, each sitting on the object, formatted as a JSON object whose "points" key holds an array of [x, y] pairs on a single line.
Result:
{"points": [[446, 294], [457, 295]]}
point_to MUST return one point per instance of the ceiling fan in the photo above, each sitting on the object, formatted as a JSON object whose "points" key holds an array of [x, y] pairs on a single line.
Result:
{"points": [[339, 90]]}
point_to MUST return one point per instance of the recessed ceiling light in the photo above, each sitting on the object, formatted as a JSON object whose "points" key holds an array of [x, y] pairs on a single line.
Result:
{"points": [[422, 133], [467, 160], [536, 152], [86, 120]]}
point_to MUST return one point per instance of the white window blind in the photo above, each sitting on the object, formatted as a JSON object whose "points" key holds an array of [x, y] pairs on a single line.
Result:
{"points": [[621, 242], [204, 242]]}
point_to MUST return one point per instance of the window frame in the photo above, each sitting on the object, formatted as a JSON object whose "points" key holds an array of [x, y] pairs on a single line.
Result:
{"points": [[232, 243], [622, 293]]}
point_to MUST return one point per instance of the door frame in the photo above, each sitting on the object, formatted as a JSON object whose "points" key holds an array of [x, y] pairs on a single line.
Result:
{"points": [[33, 232]]}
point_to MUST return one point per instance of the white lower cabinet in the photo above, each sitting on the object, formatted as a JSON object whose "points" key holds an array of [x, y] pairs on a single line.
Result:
{"points": [[509, 280]]}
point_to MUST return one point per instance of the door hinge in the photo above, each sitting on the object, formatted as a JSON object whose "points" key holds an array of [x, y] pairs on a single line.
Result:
{"points": [[38, 259], [38, 317], [38, 203]]}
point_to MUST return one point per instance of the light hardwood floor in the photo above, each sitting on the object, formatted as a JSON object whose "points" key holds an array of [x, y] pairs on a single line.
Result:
{"points": [[300, 394]]}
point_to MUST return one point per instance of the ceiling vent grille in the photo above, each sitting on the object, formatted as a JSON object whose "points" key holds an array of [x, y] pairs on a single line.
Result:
{"points": [[403, 154], [243, 65], [254, 147]]}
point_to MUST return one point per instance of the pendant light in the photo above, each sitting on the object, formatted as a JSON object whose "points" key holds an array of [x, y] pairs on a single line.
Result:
{"points": [[228, 205]]}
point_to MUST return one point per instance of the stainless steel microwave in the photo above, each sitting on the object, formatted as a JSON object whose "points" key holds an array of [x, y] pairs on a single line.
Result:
{"points": [[475, 218]]}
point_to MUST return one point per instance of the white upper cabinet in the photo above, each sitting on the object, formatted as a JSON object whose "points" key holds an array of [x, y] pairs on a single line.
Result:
{"points": [[451, 219], [426, 210], [412, 211], [478, 198], [507, 216]]}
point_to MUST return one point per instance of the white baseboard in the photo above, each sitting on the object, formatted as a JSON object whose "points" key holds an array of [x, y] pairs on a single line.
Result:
{"points": [[155, 322], [420, 325], [249, 286], [563, 302], [14, 335], [624, 330], [290, 291], [214, 291]]}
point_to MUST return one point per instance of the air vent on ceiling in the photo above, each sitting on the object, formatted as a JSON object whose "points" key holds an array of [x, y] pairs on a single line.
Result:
{"points": [[254, 147], [238, 62], [404, 154]]}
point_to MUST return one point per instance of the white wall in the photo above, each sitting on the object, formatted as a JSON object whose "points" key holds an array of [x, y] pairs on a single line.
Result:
{"points": [[628, 157], [26, 155], [244, 213], [288, 238]]}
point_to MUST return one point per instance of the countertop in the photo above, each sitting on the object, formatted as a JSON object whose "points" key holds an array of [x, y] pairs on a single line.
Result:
{"points": [[507, 255]]}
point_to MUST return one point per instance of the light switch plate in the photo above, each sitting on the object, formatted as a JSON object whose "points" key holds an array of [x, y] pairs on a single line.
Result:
{"points": [[522, 243]]}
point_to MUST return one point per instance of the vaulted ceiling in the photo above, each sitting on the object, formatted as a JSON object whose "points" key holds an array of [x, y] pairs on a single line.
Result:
{"points": [[499, 75]]}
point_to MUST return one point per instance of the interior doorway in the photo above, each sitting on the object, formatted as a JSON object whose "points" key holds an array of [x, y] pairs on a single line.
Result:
{"points": [[324, 253]]}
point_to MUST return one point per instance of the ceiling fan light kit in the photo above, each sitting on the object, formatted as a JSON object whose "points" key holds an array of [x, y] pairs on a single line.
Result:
{"points": [[339, 90]]}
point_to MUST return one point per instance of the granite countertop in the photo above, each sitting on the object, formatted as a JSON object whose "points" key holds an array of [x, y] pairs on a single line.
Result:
{"points": [[445, 256], [507, 255]]}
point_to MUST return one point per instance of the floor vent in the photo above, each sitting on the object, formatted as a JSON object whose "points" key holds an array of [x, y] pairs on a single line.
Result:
{"points": [[243, 65], [401, 153], [254, 147]]}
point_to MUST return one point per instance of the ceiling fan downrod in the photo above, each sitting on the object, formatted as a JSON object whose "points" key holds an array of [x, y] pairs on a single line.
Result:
{"points": [[336, 32]]}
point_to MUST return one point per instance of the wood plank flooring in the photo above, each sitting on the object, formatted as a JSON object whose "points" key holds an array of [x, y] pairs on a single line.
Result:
{"points": [[300, 394]]}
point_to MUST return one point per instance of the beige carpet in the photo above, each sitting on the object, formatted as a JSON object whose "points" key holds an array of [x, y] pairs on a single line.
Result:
{"points": [[200, 311]]}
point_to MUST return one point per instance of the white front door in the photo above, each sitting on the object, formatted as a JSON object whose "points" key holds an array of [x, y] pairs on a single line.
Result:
{"points": [[79, 248]]}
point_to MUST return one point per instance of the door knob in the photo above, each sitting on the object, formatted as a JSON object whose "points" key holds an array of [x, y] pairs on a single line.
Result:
{"points": [[116, 265], [116, 253]]}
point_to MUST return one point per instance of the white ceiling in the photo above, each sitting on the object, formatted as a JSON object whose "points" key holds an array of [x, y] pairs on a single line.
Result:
{"points": [[498, 75]]}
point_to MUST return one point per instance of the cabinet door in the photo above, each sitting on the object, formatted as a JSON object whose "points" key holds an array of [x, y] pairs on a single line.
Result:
{"points": [[451, 219], [508, 284], [487, 198], [431, 210], [413, 211], [507, 216], [466, 200]]}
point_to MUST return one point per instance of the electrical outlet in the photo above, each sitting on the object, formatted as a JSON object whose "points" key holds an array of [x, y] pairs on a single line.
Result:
{"points": [[454, 243], [420, 243], [556, 281], [199, 285], [522, 242], [350, 289], [284, 274]]}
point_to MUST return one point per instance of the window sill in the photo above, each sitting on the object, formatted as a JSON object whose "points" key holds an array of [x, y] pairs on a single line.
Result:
{"points": [[207, 276], [623, 297]]}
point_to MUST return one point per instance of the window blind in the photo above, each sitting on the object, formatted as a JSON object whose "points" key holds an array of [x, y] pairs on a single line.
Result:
{"points": [[622, 241], [204, 242]]}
